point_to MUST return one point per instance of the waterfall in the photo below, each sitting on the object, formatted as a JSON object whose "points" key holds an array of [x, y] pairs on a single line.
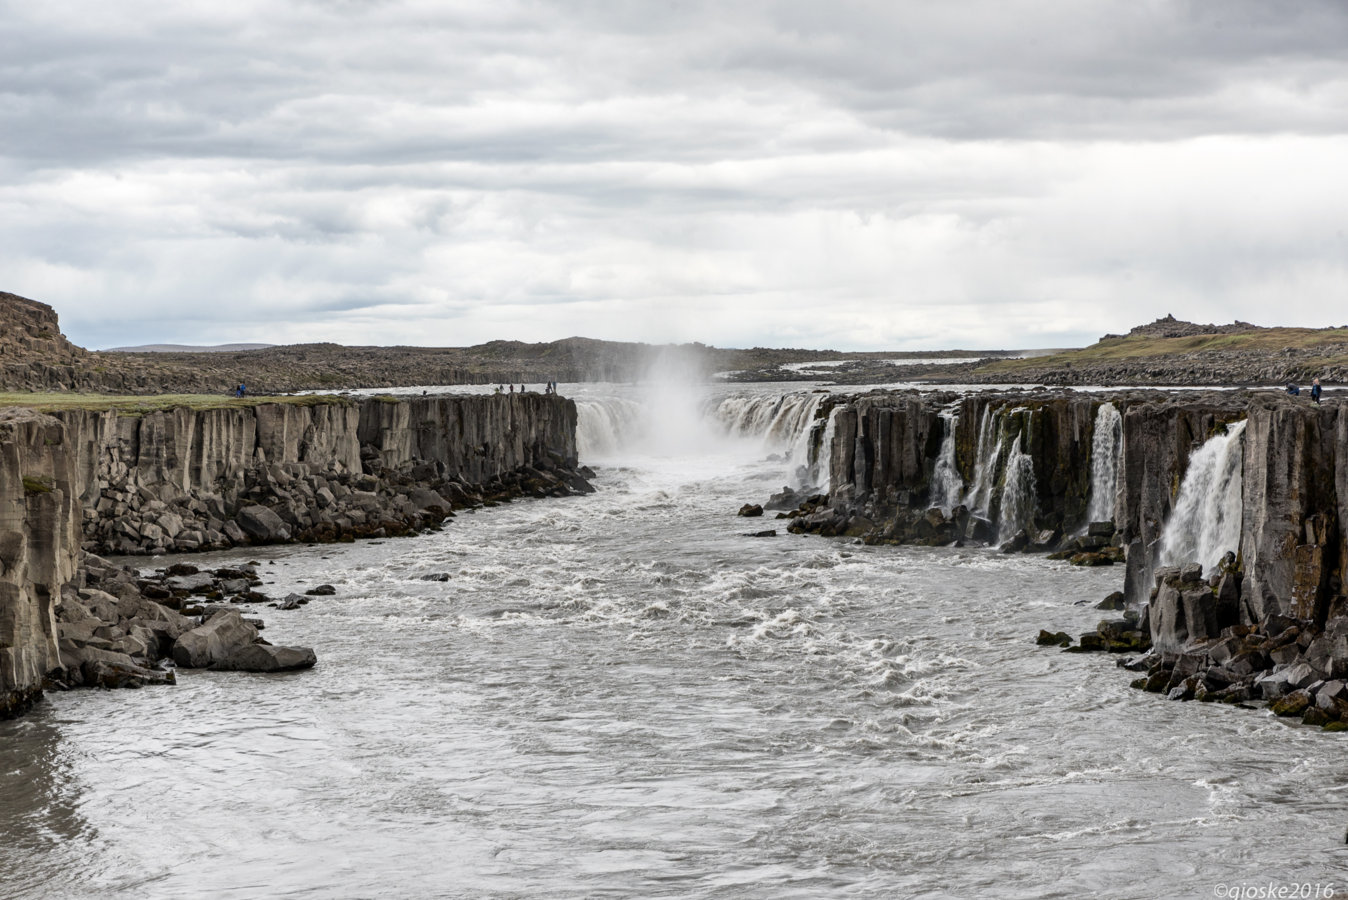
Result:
{"points": [[605, 426], [668, 419], [1018, 492], [946, 484], [979, 498], [784, 424], [1106, 445], [821, 452], [782, 421], [1205, 522]]}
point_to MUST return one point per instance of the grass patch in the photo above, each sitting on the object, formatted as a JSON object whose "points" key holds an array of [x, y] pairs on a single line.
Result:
{"points": [[42, 485], [155, 403]]}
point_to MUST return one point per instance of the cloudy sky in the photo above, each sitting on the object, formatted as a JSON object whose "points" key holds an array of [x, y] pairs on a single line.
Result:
{"points": [[858, 175]]}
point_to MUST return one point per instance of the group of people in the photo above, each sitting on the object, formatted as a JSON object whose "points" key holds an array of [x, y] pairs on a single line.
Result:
{"points": [[1295, 389], [549, 388]]}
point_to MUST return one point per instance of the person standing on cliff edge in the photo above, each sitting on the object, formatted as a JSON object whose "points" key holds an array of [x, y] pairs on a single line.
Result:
{"points": [[1315, 390]]}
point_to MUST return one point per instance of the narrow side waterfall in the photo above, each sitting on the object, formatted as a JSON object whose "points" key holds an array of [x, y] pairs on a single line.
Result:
{"points": [[946, 483], [979, 498], [1205, 523], [1106, 447], [821, 451], [1018, 492]]}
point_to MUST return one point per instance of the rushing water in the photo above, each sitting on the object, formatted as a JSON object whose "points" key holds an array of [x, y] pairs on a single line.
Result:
{"points": [[1018, 493], [1106, 447], [946, 484], [1205, 523], [620, 695]]}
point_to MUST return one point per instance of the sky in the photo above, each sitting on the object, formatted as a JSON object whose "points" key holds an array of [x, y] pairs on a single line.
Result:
{"points": [[852, 175]]}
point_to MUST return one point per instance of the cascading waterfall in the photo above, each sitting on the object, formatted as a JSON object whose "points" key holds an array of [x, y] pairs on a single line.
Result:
{"points": [[1106, 446], [821, 451], [1205, 523], [979, 498], [671, 419], [946, 483], [1018, 492], [784, 424], [605, 425], [783, 420]]}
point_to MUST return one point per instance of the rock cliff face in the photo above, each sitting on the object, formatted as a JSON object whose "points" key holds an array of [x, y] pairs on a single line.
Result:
{"points": [[884, 456], [34, 355], [190, 479], [39, 547]]}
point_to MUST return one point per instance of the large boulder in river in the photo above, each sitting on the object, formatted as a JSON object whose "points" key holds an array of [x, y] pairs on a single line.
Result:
{"points": [[261, 524], [261, 657], [222, 635]]}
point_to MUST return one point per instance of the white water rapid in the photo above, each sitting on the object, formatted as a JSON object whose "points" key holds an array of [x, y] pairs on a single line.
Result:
{"points": [[1205, 523], [1106, 447]]}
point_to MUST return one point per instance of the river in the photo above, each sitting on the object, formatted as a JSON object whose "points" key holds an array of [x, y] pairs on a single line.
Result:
{"points": [[622, 695]]}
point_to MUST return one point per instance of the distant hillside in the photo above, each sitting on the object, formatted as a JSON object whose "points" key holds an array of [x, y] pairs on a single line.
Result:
{"points": [[186, 348], [34, 356], [1170, 351]]}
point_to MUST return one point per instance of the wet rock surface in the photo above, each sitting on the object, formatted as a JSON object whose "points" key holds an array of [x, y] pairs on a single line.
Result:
{"points": [[119, 629]]}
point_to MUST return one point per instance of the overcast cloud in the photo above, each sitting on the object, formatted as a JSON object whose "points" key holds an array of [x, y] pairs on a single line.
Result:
{"points": [[859, 175]]}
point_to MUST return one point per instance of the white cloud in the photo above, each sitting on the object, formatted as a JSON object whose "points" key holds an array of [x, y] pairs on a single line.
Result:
{"points": [[858, 175]]}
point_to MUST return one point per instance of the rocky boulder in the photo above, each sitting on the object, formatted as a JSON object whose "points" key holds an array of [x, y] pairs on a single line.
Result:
{"points": [[222, 635], [262, 657], [262, 524]]}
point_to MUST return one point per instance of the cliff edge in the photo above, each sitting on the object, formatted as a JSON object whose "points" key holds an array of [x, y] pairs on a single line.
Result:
{"points": [[39, 549]]}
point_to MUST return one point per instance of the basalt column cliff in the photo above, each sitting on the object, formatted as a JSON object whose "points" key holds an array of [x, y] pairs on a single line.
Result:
{"points": [[191, 479]]}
